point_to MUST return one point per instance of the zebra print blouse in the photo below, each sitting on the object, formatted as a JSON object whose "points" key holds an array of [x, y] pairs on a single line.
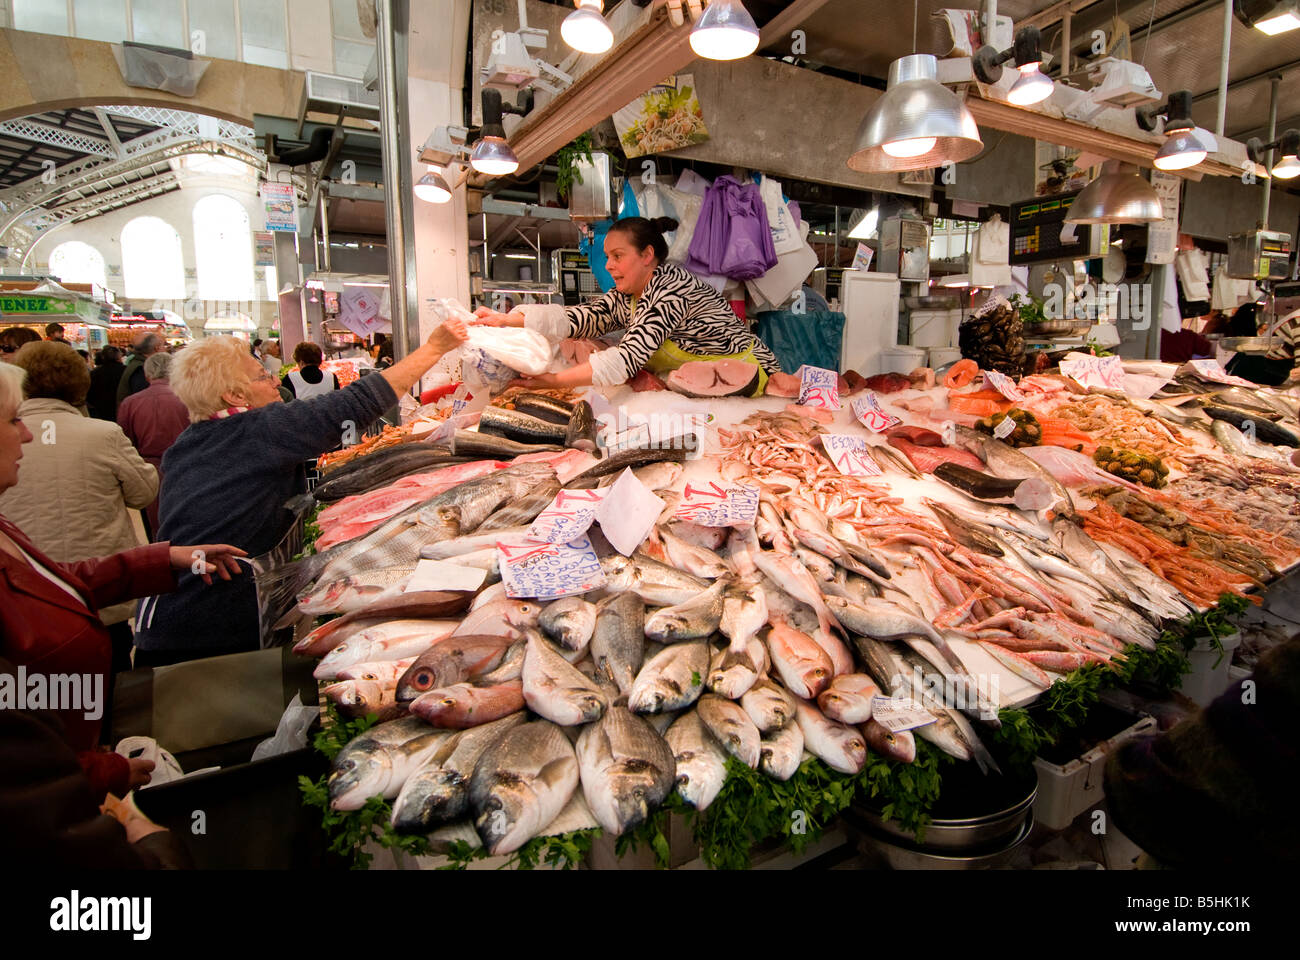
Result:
{"points": [[675, 305]]}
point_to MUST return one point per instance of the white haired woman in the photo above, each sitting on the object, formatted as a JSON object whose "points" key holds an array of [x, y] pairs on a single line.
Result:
{"points": [[49, 611], [231, 472]]}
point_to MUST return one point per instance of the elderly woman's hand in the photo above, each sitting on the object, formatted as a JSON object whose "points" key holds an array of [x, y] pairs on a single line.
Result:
{"points": [[487, 317], [449, 336], [208, 558]]}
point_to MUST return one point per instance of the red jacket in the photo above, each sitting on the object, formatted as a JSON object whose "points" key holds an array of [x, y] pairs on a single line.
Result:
{"points": [[152, 420], [46, 631]]}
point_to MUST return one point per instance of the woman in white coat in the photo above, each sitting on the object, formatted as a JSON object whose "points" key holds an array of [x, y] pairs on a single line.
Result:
{"points": [[80, 475]]}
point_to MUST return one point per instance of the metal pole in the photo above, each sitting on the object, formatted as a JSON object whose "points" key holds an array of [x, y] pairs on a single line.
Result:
{"points": [[325, 233], [1223, 67], [1268, 161], [1066, 40], [390, 35]]}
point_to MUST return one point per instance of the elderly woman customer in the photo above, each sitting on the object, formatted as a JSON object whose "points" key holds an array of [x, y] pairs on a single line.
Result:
{"points": [[229, 475], [50, 611], [152, 420]]}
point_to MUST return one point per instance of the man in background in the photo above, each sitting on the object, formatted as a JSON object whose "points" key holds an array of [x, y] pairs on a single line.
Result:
{"points": [[152, 420], [54, 331], [133, 378]]}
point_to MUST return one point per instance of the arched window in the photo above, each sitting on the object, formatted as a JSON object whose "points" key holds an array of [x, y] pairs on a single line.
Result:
{"points": [[223, 249], [77, 262], [152, 265]]}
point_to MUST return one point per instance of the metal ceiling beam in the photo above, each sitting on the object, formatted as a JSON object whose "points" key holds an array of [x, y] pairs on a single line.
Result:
{"points": [[109, 132], [25, 129], [1055, 13], [653, 50]]}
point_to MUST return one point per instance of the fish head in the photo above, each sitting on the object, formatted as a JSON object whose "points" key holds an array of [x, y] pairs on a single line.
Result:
{"points": [[649, 700], [522, 613], [500, 823], [632, 798], [591, 706], [357, 776], [420, 679], [429, 799], [856, 748]]}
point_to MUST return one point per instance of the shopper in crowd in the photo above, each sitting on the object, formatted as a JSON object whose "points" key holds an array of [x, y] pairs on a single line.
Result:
{"points": [[309, 380], [670, 316], [1224, 769], [271, 358], [383, 351], [1280, 365], [231, 472], [80, 478], [50, 809], [54, 331], [256, 349], [101, 400], [152, 420], [133, 379], [1182, 345], [50, 611], [12, 340]]}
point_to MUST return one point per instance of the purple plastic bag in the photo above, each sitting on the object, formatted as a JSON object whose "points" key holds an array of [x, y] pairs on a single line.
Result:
{"points": [[732, 237]]}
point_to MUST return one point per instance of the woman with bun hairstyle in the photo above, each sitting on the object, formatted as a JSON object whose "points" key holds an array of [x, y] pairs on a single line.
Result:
{"points": [[670, 316]]}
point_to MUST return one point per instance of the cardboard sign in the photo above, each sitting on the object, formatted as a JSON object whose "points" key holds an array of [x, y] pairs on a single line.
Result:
{"points": [[713, 505], [568, 517], [866, 407], [548, 571], [849, 454], [819, 387]]}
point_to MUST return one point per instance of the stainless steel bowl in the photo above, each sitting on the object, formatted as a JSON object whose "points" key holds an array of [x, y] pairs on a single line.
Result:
{"points": [[901, 856], [951, 835]]}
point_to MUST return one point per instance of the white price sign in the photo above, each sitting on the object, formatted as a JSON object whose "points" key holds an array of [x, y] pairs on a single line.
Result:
{"points": [[866, 407], [819, 387], [1003, 385], [849, 454], [897, 714]]}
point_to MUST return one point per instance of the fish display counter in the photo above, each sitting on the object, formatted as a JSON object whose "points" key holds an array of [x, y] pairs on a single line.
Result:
{"points": [[592, 608]]}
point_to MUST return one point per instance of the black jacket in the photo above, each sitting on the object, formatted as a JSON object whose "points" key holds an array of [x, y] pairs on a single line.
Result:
{"points": [[101, 401]]}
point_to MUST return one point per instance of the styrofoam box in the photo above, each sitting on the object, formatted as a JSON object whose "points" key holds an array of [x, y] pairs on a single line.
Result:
{"points": [[1065, 792], [934, 328]]}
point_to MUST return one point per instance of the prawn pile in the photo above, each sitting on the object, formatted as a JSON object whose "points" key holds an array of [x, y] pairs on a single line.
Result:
{"points": [[1120, 426]]}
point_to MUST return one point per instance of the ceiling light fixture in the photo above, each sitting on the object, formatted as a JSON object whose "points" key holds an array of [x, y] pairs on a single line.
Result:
{"points": [[1119, 195], [585, 30], [1032, 86], [1182, 148], [917, 123], [865, 228], [433, 188], [1289, 143], [1268, 16], [726, 31], [492, 154]]}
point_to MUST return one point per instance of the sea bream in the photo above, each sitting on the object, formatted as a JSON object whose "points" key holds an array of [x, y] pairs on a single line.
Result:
{"points": [[394, 640], [848, 698], [570, 622], [439, 791], [671, 680], [378, 762], [627, 769], [556, 690], [462, 705], [802, 664], [731, 727], [696, 618], [654, 582], [701, 761], [667, 548], [732, 673], [360, 698], [781, 752], [839, 746], [768, 704], [618, 641], [520, 784]]}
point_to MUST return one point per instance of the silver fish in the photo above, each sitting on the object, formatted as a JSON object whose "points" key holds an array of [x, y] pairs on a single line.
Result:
{"points": [[885, 620], [470, 543], [769, 705], [697, 561], [710, 538], [671, 680], [655, 583], [520, 784], [618, 641], [627, 769], [503, 618], [793, 577], [522, 510], [848, 698], [653, 476], [439, 791], [731, 727], [781, 752], [696, 618], [570, 622], [479, 497], [732, 673], [360, 698], [556, 690], [378, 762], [394, 640], [839, 746], [701, 761], [744, 613], [1006, 461], [951, 732]]}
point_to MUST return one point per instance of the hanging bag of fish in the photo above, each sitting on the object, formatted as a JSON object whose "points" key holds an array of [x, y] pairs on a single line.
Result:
{"points": [[491, 356]]}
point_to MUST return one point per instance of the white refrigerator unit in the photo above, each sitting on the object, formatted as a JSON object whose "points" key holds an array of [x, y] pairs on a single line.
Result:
{"points": [[869, 302]]}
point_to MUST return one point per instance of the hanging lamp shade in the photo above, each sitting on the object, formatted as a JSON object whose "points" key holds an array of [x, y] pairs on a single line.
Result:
{"points": [[726, 31], [918, 123], [1120, 195]]}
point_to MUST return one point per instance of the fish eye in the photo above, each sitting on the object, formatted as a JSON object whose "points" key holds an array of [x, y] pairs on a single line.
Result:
{"points": [[448, 702], [423, 679]]}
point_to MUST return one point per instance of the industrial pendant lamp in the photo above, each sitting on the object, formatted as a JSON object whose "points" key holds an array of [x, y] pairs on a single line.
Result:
{"points": [[492, 154], [917, 123], [1032, 86], [1119, 195], [1269, 16], [1182, 147], [432, 187], [585, 30], [1288, 168], [726, 31]]}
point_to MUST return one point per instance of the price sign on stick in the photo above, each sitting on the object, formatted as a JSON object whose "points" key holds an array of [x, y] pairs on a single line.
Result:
{"points": [[568, 517], [849, 454], [547, 571], [866, 407], [819, 387], [714, 505]]}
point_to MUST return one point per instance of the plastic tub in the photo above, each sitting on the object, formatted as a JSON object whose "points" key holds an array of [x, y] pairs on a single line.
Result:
{"points": [[942, 356], [1067, 789], [934, 328], [1209, 676], [901, 359]]}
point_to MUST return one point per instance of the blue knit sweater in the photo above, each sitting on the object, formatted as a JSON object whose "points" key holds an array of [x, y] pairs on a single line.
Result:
{"points": [[226, 481]]}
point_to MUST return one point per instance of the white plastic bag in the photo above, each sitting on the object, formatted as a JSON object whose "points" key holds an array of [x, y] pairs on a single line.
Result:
{"points": [[290, 734], [526, 351], [492, 356], [785, 228]]}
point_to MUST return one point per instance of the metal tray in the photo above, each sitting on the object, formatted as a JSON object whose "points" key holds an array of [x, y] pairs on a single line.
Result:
{"points": [[1246, 344]]}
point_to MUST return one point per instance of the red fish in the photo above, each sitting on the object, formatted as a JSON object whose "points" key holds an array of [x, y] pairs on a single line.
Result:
{"points": [[927, 458], [464, 705]]}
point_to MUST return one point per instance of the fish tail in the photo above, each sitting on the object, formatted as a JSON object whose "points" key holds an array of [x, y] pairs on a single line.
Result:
{"points": [[278, 587]]}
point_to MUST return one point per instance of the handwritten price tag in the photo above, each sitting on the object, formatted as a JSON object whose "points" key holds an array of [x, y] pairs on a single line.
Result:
{"points": [[712, 505], [849, 454], [819, 387], [628, 512], [547, 571], [1003, 385], [866, 407], [568, 517], [1210, 369], [897, 714], [1106, 373]]}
